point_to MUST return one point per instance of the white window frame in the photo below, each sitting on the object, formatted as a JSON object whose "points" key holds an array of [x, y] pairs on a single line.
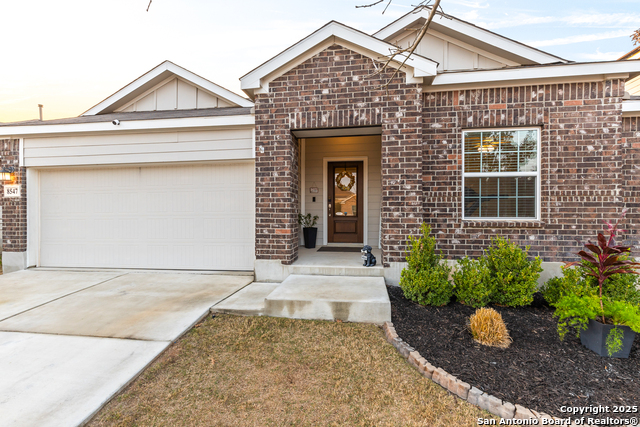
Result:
{"points": [[536, 174]]}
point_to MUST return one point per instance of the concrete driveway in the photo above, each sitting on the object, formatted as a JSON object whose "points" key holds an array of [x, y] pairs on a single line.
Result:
{"points": [[71, 340]]}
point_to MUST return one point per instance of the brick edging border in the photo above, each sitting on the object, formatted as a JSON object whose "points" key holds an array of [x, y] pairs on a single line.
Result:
{"points": [[461, 389]]}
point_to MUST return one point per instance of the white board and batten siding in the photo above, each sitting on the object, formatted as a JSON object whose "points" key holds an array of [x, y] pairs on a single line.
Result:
{"points": [[189, 216], [453, 55], [175, 94], [133, 148]]}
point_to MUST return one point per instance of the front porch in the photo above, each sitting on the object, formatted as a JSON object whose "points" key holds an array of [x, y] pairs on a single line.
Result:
{"points": [[315, 262], [320, 124]]}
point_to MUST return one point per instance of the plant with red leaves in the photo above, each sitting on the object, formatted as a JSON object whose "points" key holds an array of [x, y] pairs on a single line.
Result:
{"points": [[606, 257]]}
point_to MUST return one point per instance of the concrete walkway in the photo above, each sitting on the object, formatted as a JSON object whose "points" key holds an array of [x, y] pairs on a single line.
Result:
{"points": [[70, 340]]}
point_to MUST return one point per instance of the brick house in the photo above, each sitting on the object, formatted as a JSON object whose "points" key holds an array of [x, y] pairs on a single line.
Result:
{"points": [[477, 135]]}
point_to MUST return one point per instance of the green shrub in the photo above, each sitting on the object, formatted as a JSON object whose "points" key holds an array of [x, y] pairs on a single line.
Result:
{"points": [[422, 250], [514, 276], [574, 312], [426, 278], [572, 282], [622, 287], [429, 286], [473, 282]]}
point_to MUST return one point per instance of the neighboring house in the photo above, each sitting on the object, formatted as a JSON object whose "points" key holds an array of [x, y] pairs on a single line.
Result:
{"points": [[478, 136], [633, 85]]}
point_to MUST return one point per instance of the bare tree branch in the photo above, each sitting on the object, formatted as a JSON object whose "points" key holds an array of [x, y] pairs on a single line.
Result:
{"points": [[636, 37], [375, 3], [370, 4], [405, 53], [149, 5]]}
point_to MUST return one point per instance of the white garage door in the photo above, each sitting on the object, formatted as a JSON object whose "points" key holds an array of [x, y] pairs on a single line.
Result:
{"points": [[167, 217]]}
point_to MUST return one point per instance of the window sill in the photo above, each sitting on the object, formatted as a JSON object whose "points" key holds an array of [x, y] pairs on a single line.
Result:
{"points": [[479, 223]]}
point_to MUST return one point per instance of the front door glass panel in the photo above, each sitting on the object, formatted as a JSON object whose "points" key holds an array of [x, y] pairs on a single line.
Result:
{"points": [[345, 181]]}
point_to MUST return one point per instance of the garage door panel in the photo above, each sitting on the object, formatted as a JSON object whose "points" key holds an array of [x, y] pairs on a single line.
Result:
{"points": [[172, 217]]}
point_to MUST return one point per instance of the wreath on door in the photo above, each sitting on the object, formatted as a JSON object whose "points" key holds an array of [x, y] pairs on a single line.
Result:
{"points": [[341, 175]]}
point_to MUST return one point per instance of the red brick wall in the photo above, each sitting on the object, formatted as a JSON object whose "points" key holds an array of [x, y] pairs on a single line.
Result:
{"points": [[335, 89], [14, 210], [583, 163]]}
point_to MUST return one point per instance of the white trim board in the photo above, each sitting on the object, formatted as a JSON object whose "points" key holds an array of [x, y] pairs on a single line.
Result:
{"points": [[630, 108], [595, 71], [244, 120], [537, 174], [303, 182], [365, 200], [33, 217], [162, 72]]}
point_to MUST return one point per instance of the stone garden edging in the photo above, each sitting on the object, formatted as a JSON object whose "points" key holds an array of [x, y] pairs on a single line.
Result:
{"points": [[461, 389]]}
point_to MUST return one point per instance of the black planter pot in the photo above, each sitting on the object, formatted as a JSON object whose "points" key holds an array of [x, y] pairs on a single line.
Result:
{"points": [[310, 235], [595, 339]]}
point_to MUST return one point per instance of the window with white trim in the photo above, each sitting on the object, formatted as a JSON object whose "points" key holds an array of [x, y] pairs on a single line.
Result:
{"points": [[501, 174]]}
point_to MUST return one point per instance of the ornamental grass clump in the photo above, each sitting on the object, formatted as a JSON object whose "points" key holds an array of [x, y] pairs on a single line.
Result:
{"points": [[426, 278], [488, 328]]}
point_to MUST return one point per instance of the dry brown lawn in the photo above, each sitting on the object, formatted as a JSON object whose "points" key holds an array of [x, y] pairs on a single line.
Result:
{"points": [[264, 371]]}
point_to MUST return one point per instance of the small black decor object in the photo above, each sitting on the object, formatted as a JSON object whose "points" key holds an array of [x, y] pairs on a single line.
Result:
{"points": [[367, 256], [309, 231]]}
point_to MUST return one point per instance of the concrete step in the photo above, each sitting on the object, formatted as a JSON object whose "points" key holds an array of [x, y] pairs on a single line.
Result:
{"points": [[347, 298], [328, 270], [248, 301]]}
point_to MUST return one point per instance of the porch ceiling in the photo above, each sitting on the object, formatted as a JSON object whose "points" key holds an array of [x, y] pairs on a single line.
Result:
{"points": [[326, 133]]}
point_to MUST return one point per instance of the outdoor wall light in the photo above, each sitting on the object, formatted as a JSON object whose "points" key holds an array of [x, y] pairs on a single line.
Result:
{"points": [[7, 173]]}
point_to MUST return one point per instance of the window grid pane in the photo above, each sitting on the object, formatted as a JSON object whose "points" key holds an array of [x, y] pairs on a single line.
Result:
{"points": [[497, 154]]}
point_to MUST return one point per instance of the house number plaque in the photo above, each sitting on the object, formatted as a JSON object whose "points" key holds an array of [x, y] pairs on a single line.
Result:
{"points": [[11, 191]]}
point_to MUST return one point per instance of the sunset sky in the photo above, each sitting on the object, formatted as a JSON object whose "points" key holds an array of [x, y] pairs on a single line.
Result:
{"points": [[71, 54]]}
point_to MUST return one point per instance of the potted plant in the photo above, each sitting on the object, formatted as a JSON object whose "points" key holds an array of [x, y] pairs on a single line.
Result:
{"points": [[309, 231], [604, 325]]}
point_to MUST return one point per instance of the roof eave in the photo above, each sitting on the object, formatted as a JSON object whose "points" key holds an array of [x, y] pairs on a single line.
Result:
{"points": [[542, 73], [41, 130], [631, 108]]}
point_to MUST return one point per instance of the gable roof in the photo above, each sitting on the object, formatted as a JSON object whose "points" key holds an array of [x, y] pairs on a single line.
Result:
{"points": [[633, 54], [469, 34], [156, 76], [258, 79]]}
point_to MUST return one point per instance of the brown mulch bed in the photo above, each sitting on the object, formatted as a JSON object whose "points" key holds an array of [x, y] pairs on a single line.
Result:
{"points": [[537, 371]]}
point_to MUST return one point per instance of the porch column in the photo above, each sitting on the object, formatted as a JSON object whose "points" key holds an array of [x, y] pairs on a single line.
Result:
{"points": [[402, 197], [277, 186], [14, 210]]}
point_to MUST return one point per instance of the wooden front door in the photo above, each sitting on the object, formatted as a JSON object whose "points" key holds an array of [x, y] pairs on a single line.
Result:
{"points": [[346, 216]]}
